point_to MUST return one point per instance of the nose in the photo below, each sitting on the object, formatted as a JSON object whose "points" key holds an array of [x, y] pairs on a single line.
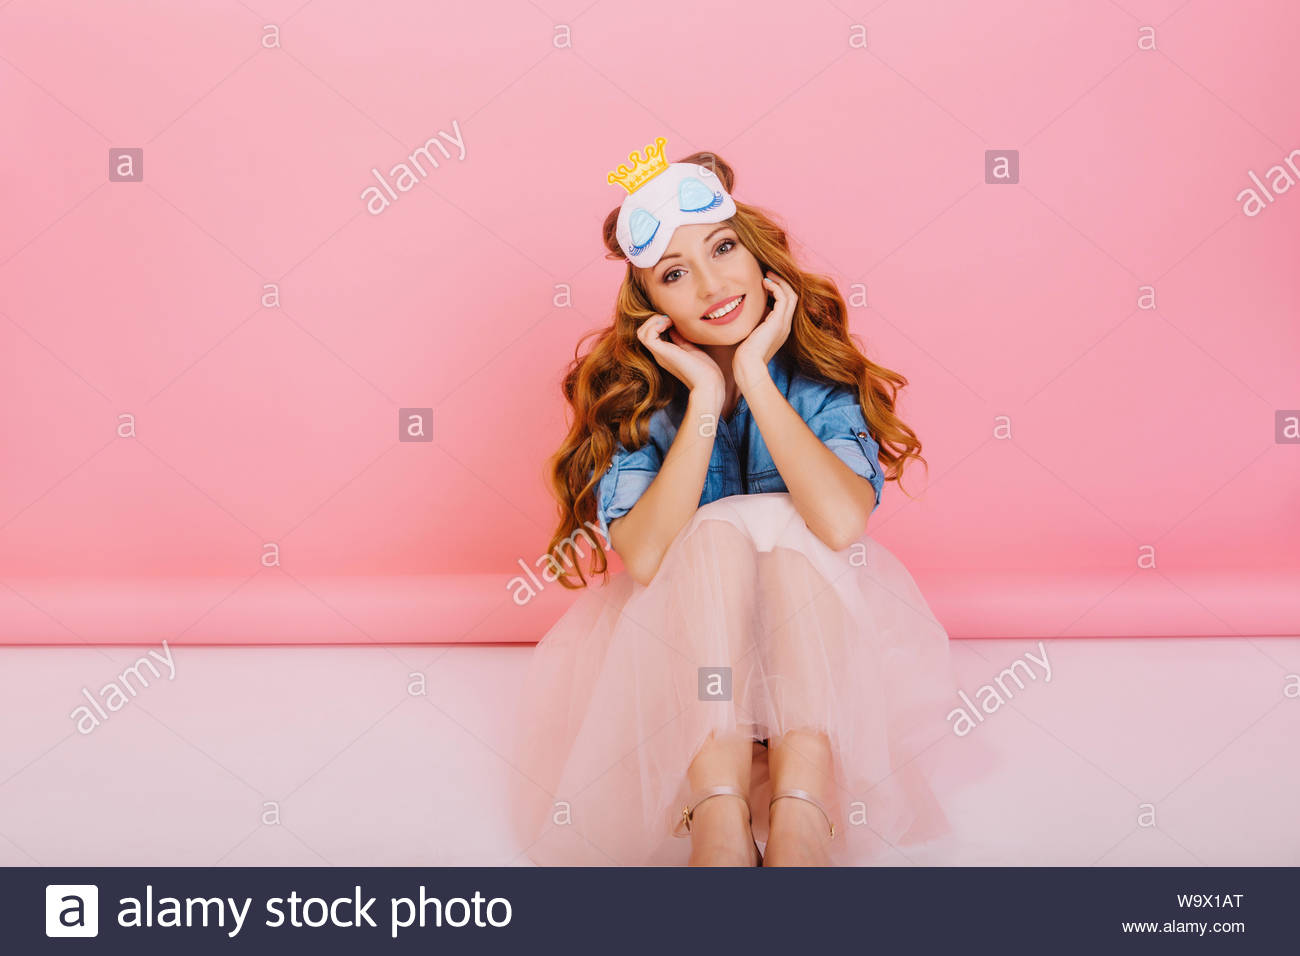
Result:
{"points": [[708, 284]]}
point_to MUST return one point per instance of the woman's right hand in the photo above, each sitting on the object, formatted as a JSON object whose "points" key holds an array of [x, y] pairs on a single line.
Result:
{"points": [[683, 358]]}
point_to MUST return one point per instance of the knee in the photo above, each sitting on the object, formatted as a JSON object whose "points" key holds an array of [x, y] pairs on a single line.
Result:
{"points": [[781, 567], [716, 539]]}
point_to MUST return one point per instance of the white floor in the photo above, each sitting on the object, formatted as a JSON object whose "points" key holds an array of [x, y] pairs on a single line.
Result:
{"points": [[399, 756]]}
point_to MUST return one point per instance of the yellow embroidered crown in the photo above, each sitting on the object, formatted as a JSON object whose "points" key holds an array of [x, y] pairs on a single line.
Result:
{"points": [[642, 169]]}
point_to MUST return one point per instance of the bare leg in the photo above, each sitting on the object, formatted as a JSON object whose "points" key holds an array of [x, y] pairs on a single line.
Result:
{"points": [[720, 832], [798, 833], [803, 648]]}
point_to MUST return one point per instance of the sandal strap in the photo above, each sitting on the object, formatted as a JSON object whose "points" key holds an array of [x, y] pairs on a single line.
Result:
{"points": [[683, 826], [803, 795]]}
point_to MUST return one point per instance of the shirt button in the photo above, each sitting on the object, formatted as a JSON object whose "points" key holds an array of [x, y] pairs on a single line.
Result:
{"points": [[862, 434]]}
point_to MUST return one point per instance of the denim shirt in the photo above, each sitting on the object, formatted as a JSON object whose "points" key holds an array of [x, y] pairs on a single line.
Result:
{"points": [[741, 462]]}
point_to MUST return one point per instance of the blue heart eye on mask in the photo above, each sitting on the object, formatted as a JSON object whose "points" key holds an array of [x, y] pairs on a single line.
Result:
{"points": [[643, 227], [694, 196]]}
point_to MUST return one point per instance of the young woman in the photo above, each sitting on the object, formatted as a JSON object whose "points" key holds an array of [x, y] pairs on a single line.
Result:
{"points": [[761, 667]]}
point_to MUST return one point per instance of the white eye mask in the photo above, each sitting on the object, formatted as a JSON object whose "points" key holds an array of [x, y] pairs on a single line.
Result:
{"points": [[662, 196]]}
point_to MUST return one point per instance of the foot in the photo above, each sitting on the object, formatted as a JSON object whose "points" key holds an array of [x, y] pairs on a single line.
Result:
{"points": [[720, 834], [798, 835]]}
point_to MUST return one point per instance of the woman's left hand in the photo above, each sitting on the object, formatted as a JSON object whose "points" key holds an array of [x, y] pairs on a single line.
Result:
{"points": [[771, 332]]}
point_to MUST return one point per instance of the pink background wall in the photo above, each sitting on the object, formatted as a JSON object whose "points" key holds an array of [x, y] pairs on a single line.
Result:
{"points": [[1130, 427]]}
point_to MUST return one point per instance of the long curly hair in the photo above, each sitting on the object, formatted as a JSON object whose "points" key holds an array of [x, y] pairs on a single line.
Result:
{"points": [[617, 386]]}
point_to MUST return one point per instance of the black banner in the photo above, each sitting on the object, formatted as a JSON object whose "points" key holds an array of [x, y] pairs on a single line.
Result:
{"points": [[644, 910]]}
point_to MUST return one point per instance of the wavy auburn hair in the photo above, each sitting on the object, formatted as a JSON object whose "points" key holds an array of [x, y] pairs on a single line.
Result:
{"points": [[615, 387]]}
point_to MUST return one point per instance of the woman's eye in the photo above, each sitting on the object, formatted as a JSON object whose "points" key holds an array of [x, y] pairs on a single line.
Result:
{"points": [[668, 276]]}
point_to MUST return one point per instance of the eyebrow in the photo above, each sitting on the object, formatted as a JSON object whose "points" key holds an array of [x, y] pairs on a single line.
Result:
{"points": [[678, 255]]}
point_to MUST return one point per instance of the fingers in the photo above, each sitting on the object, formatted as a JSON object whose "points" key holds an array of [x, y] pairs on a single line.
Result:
{"points": [[650, 330], [666, 352], [777, 285], [654, 323], [784, 295], [782, 292]]}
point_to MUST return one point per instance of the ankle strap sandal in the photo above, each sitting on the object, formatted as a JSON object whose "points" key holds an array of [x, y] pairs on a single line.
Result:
{"points": [[688, 812], [802, 795]]}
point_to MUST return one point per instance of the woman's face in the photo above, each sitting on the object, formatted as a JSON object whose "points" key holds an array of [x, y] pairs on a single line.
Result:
{"points": [[704, 270]]}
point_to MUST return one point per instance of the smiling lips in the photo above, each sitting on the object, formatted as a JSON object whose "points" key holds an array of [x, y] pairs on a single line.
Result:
{"points": [[729, 307]]}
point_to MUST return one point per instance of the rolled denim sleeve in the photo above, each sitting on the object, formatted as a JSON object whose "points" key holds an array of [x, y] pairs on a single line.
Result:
{"points": [[623, 483], [842, 427]]}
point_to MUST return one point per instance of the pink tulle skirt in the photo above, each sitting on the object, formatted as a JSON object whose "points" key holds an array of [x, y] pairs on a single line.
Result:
{"points": [[629, 684]]}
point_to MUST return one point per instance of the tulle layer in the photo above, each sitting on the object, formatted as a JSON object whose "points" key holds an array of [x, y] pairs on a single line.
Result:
{"points": [[629, 684]]}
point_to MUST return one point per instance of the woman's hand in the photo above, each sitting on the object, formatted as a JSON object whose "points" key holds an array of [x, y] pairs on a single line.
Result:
{"points": [[770, 334], [683, 358]]}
